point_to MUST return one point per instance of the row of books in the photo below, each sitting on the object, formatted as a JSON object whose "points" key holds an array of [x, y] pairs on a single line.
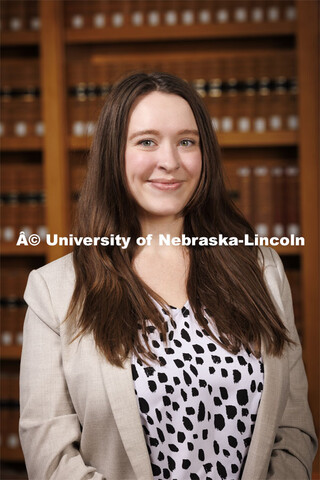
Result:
{"points": [[11, 77], [229, 114], [22, 119], [20, 15], [238, 113], [268, 196], [27, 94], [94, 73], [21, 178], [254, 114], [12, 324], [213, 88], [254, 71], [140, 13], [27, 216]]}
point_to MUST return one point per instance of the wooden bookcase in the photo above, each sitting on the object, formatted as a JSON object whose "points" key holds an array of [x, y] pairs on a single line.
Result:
{"points": [[59, 43]]}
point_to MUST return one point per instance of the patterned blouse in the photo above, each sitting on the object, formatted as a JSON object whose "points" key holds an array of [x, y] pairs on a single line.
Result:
{"points": [[198, 408]]}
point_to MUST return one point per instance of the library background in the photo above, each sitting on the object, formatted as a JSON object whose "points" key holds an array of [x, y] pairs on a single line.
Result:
{"points": [[255, 63]]}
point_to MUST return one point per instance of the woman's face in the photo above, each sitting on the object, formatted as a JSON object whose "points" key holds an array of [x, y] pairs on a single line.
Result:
{"points": [[163, 157]]}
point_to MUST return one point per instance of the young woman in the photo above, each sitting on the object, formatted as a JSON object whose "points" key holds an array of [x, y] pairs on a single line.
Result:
{"points": [[148, 358]]}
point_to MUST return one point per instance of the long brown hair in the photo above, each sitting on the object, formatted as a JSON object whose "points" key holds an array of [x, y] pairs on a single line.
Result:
{"points": [[109, 299]]}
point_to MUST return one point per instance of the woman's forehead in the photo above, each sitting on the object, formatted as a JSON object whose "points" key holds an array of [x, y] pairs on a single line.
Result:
{"points": [[161, 109]]}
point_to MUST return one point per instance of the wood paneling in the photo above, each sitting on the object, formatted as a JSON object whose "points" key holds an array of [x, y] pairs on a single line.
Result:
{"points": [[54, 115], [308, 70]]}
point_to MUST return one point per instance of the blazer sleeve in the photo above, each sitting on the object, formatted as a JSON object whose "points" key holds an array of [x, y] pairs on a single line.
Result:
{"points": [[49, 428], [295, 442]]}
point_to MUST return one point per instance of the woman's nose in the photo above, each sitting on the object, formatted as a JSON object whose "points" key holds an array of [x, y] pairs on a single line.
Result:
{"points": [[168, 158]]}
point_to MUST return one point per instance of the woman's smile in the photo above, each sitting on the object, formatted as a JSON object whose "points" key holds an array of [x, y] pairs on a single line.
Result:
{"points": [[165, 184]]}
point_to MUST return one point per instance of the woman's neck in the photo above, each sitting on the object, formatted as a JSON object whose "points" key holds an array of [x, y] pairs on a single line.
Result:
{"points": [[161, 225]]}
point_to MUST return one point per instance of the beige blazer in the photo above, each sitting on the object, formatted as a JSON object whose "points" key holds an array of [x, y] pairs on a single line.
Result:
{"points": [[79, 415]]}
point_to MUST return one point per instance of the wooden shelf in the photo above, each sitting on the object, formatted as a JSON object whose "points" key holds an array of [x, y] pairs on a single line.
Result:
{"points": [[270, 139], [21, 143], [19, 38], [79, 143], [235, 139], [181, 32], [13, 249], [10, 352]]}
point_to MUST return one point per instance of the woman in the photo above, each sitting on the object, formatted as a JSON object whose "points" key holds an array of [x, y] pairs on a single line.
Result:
{"points": [[149, 359]]}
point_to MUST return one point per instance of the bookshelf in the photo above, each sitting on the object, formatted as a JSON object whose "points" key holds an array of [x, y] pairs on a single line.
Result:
{"points": [[79, 55]]}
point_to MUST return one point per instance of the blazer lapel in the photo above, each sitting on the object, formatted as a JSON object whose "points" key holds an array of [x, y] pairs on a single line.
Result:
{"points": [[271, 407], [120, 390]]}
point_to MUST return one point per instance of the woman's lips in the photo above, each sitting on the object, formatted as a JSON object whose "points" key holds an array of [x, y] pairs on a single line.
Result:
{"points": [[162, 184]]}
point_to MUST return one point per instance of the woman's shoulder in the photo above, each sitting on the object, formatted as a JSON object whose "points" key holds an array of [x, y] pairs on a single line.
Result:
{"points": [[51, 287], [61, 268], [277, 284], [271, 265], [267, 257]]}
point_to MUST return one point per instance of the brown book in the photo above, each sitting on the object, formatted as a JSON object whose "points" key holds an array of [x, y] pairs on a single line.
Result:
{"points": [[33, 20], [204, 12], [289, 10], [292, 200], [74, 15], [15, 13], [9, 220], [99, 15], [5, 424], [227, 120], [9, 179], [7, 327], [12, 440], [232, 181], [152, 9], [257, 11], [20, 314], [262, 200], [14, 387], [223, 11], [278, 201], [30, 178], [273, 11], [244, 175], [188, 13], [292, 118], [118, 14], [240, 11]]}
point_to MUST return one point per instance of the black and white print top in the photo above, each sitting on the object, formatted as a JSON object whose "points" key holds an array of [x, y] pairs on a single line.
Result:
{"points": [[198, 408]]}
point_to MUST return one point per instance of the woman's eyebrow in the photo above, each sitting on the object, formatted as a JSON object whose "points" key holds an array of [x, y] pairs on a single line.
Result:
{"points": [[188, 132], [144, 132], [156, 132]]}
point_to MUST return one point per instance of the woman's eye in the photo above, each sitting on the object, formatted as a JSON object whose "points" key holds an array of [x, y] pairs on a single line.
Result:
{"points": [[187, 143], [146, 143]]}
